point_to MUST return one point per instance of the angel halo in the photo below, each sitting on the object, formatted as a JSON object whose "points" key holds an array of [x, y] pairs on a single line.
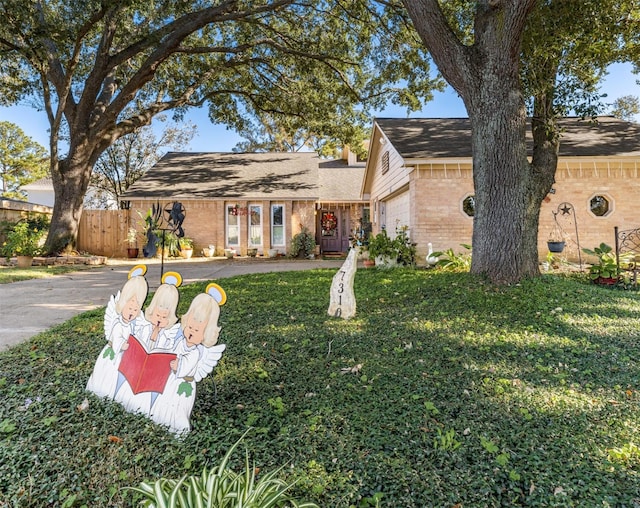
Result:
{"points": [[152, 361]]}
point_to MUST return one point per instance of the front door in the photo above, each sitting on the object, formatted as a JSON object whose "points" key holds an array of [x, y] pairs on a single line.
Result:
{"points": [[330, 231]]}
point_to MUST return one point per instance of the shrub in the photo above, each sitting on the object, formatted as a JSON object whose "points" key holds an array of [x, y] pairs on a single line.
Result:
{"points": [[405, 249], [25, 237], [381, 245], [303, 244], [453, 261]]}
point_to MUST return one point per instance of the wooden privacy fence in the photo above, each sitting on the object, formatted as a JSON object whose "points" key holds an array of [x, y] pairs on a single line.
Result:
{"points": [[104, 232]]}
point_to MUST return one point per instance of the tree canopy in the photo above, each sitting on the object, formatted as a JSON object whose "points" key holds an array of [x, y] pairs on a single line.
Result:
{"points": [[626, 107], [129, 158], [322, 64], [22, 160]]}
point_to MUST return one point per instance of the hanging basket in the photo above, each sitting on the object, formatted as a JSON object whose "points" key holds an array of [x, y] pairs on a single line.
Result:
{"points": [[555, 246]]}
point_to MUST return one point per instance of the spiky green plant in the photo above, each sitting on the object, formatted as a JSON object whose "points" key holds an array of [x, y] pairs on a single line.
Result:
{"points": [[220, 487]]}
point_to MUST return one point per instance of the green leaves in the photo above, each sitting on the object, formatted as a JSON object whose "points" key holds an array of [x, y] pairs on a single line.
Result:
{"points": [[443, 389], [221, 487]]}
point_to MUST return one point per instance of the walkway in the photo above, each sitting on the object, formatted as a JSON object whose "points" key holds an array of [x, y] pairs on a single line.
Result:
{"points": [[33, 306]]}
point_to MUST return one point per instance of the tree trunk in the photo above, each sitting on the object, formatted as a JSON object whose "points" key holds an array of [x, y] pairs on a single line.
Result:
{"points": [[508, 188], [507, 202], [70, 182]]}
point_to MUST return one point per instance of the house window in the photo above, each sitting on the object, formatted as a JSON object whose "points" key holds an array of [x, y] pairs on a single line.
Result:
{"points": [[385, 162], [233, 226], [277, 225], [255, 225], [600, 205], [469, 205]]}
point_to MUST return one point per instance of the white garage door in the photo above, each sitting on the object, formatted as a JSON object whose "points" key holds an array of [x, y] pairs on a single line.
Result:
{"points": [[397, 213]]}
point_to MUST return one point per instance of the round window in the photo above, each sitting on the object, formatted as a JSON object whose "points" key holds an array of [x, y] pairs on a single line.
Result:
{"points": [[469, 205], [599, 206]]}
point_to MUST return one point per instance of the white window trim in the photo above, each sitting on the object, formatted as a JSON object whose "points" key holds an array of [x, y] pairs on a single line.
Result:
{"points": [[284, 225], [226, 230], [250, 226]]}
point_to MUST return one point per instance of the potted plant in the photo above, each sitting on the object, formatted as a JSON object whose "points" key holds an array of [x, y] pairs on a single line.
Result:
{"points": [[167, 244], [132, 242], [606, 270], [382, 249], [368, 262], [186, 247], [556, 240], [25, 238]]}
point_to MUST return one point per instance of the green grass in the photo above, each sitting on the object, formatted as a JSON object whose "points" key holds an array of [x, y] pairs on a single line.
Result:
{"points": [[13, 274], [442, 390]]}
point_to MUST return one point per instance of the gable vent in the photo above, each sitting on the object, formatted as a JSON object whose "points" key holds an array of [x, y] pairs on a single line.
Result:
{"points": [[385, 162]]}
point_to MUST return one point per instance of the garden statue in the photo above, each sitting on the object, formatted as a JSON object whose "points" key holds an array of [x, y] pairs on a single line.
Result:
{"points": [[342, 301], [152, 361]]}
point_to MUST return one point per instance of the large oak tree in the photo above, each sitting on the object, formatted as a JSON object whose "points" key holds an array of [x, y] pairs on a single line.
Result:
{"points": [[89, 62], [502, 56]]}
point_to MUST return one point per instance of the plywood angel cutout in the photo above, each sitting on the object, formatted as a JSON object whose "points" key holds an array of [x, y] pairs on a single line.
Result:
{"points": [[151, 362], [123, 310], [145, 365], [197, 353]]}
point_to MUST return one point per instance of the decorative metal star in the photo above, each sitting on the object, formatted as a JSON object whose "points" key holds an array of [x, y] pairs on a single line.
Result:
{"points": [[566, 209]]}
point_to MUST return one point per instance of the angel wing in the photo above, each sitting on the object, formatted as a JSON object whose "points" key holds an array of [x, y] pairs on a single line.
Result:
{"points": [[208, 361], [110, 315]]}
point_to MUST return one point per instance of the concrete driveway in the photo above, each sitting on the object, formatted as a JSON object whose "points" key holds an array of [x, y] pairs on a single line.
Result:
{"points": [[33, 306]]}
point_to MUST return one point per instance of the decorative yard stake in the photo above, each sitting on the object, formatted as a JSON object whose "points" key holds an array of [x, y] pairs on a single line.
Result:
{"points": [[155, 221], [342, 301], [152, 362], [567, 213]]}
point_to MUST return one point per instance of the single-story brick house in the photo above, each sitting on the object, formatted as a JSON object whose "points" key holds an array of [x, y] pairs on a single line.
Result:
{"points": [[257, 200], [419, 174]]}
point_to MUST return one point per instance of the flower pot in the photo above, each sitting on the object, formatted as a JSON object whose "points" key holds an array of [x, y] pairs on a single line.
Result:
{"points": [[186, 253], [24, 261], [386, 261], [369, 263], [273, 253], [132, 252], [555, 246], [209, 252], [252, 253], [230, 253]]}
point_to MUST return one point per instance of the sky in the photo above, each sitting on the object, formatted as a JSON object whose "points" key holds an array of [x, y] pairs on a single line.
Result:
{"points": [[217, 138]]}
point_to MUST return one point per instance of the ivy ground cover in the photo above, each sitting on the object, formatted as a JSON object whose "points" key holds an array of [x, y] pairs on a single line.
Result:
{"points": [[443, 391]]}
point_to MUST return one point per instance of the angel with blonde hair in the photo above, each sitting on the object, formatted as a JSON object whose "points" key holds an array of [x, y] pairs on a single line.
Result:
{"points": [[156, 332], [160, 324], [196, 356], [120, 318]]}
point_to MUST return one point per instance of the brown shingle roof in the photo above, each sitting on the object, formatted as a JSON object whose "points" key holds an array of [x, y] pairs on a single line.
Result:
{"points": [[230, 175], [428, 138], [340, 182]]}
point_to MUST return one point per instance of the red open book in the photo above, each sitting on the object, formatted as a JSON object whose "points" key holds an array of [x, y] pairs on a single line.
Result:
{"points": [[145, 372]]}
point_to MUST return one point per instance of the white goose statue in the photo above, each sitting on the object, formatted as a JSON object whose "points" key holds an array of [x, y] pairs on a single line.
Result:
{"points": [[431, 259]]}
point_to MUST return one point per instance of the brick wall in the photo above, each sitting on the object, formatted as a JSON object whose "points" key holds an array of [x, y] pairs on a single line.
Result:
{"points": [[437, 193]]}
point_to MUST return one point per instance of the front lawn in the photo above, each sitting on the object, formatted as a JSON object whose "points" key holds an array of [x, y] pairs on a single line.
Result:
{"points": [[443, 391]]}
